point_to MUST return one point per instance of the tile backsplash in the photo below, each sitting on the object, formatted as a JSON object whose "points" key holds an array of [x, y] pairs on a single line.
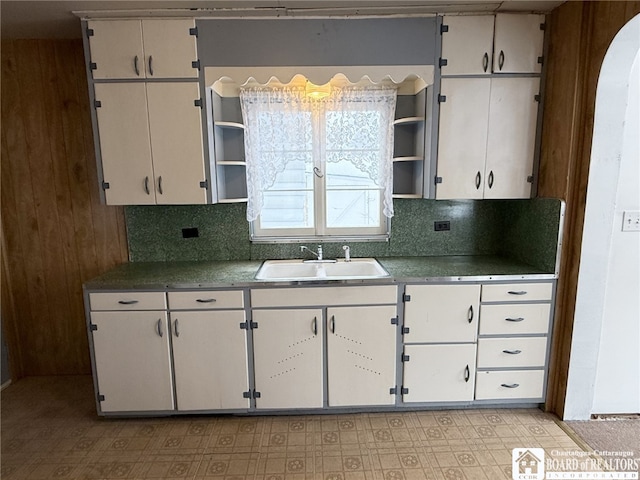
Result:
{"points": [[526, 230]]}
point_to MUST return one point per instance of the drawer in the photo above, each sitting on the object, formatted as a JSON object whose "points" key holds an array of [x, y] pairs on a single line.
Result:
{"points": [[324, 296], [513, 384], [516, 292], [128, 301], [514, 319], [206, 299], [512, 352]]}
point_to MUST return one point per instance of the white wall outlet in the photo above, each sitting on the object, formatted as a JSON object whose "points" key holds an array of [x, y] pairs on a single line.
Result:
{"points": [[631, 221]]}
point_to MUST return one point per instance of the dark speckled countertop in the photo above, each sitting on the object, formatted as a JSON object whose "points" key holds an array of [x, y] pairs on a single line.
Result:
{"points": [[158, 275]]}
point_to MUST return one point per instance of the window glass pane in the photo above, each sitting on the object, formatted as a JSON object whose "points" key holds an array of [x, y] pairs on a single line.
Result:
{"points": [[353, 208], [289, 209], [342, 171]]}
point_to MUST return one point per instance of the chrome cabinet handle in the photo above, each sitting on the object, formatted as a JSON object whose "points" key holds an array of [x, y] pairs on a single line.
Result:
{"points": [[127, 302], [318, 172], [470, 314], [205, 300], [512, 352], [135, 65], [478, 180], [160, 185], [510, 385], [467, 373], [333, 324], [485, 61], [159, 326], [175, 328], [501, 60], [314, 325], [519, 319], [490, 181], [519, 292], [146, 185], [150, 65]]}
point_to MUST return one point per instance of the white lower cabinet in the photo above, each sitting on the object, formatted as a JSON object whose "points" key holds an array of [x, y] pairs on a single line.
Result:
{"points": [[288, 358], [210, 360], [132, 361], [510, 385], [439, 373], [361, 346]]}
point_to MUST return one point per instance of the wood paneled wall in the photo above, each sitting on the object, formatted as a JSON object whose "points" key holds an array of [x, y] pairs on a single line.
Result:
{"points": [[580, 34], [55, 232]]}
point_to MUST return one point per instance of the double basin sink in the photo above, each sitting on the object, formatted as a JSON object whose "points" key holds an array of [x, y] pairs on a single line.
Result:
{"points": [[299, 270]]}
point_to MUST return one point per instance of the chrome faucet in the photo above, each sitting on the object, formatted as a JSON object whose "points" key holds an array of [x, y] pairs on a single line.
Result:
{"points": [[347, 253], [318, 255]]}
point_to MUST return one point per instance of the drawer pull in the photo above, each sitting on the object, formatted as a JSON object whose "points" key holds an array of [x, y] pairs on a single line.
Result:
{"points": [[159, 326], [510, 385], [467, 373], [314, 325], [175, 328], [135, 65], [470, 314], [512, 352], [205, 300], [127, 302], [517, 292], [519, 319]]}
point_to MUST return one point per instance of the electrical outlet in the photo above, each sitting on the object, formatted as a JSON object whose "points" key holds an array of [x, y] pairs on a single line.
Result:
{"points": [[631, 221], [442, 226]]}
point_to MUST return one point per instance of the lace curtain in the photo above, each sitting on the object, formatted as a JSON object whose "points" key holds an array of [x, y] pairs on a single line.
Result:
{"points": [[358, 127]]}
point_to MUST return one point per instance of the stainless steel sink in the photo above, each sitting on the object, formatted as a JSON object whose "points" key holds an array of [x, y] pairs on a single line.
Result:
{"points": [[298, 270]]}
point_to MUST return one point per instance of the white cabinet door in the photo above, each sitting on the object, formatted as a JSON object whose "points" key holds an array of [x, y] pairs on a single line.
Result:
{"points": [[513, 113], [150, 48], [462, 139], [518, 43], [132, 361], [210, 360], [288, 358], [361, 355], [442, 313], [176, 143], [467, 45], [124, 143], [439, 373]]}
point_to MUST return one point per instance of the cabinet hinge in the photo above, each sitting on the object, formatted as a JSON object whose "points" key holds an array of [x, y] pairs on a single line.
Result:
{"points": [[93, 66], [93, 327], [100, 398], [393, 391], [256, 394], [537, 98], [444, 28], [90, 32], [246, 394], [437, 180], [105, 185], [442, 62], [530, 179], [405, 330], [197, 103], [195, 64], [253, 325], [540, 60], [406, 298], [405, 358], [404, 390], [543, 26], [97, 104], [442, 98], [204, 184], [394, 321], [193, 31], [244, 326]]}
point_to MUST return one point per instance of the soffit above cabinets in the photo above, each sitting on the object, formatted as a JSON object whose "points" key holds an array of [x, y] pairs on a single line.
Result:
{"points": [[60, 19]]}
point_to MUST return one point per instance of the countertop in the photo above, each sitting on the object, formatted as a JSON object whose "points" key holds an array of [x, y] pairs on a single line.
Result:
{"points": [[160, 275]]}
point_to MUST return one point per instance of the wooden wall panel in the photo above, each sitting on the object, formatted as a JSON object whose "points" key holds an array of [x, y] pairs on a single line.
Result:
{"points": [[580, 34], [55, 233]]}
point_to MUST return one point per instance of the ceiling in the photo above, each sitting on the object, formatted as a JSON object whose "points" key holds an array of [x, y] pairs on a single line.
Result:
{"points": [[56, 19]]}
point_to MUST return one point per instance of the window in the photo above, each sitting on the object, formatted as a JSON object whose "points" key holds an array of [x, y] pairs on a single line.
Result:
{"points": [[319, 167]]}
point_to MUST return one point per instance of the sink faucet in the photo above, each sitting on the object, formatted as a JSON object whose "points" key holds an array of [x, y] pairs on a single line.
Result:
{"points": [[318, 255], [347, 253]]}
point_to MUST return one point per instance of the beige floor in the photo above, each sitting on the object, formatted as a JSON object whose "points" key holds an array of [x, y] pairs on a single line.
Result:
{"points": [[50, 430]]}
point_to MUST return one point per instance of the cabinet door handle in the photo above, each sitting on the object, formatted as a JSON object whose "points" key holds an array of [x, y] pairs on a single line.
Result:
{"points": [[175, 328], [485, 61], [467, 373], [478, 180], [159, 326], [470, 314], [518, 292], [150, 65], [333, 324], [512, 352], [510, 385], [501, 60], [519, 319], [146, 185], [490, 180], [205, 300], [127, 302], [160, 185], [135, 65], [314, 325]]}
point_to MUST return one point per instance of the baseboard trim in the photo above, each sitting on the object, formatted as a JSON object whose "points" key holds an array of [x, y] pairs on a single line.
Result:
{"points": [[5, 385]]}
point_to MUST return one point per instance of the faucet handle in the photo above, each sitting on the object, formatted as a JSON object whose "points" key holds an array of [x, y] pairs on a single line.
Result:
{"points": [[347, 253]]}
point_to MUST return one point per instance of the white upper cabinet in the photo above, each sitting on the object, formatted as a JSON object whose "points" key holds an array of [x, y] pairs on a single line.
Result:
{"points": [[150, 48], [486, 44]]}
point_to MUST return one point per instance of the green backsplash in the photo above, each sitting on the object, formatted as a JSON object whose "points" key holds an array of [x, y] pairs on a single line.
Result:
{"points": [[526, 230]]}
